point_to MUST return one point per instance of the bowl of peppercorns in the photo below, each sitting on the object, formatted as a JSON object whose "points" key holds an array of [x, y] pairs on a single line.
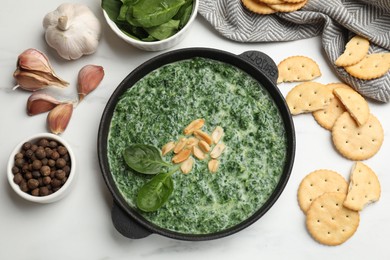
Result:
{"points": [[41, 169]]}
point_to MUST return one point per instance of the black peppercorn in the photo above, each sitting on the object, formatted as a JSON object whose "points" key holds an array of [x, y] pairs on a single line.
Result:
{"points": [[19, 156], [34, 147], [55, 155], [66, 157], [45, 170], [62, 150], [40, 153], [60, 163], [28, 175], [51, 163], [60, 174], [48, 151], [23, 186], [44, 161], [55, 183], [35, 192], [25, 168], [64, 180], [18, 178], [53, 144], [15, 170], [46, 180], [29, 153], [36, 174], [43, 191], [32, 184], [43, 142], [26, 146], [66, 169], [37, 164], [19, 162]]}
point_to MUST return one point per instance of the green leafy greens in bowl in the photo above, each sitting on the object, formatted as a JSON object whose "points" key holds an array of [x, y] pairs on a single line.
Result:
{"points": [[149, 20]]}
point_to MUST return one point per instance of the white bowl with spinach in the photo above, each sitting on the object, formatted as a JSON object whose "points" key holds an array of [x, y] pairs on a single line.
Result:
{"points": [[151, 25]]}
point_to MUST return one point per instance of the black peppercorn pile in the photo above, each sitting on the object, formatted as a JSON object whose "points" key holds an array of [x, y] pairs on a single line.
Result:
{"points": [[41, 168]]}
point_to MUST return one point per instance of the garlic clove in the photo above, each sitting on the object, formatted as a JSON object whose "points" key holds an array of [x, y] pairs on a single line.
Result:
{"points": [[33, 71], [32, 59], [59, 117], [53, 80], [89, 78], [30, 81], [33, 81], [39, 103]]}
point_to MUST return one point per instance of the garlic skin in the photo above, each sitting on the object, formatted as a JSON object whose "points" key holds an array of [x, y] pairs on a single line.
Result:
{"points": [[89, 79], [59, 117], [34, 72], [72, 30], [39, 103]]}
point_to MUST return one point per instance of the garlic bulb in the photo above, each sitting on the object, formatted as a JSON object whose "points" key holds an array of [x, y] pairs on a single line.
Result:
{"points": [[72, 30]]}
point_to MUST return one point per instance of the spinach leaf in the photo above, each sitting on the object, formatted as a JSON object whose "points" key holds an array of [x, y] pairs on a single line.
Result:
{"points": [[149, 13], [186, 16], [144, 158], [182, 9], [155, 193], [164, 30], [112, 8], [122, 13]]}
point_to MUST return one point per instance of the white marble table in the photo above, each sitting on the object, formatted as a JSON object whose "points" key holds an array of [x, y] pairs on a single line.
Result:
{"points": [[80, 227]]}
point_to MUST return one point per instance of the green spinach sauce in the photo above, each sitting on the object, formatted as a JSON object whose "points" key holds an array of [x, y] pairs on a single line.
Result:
{"points": [[156, 110]]}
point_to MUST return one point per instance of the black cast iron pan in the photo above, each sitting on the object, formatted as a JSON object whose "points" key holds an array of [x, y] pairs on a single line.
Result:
{"points": [[262, 68]]}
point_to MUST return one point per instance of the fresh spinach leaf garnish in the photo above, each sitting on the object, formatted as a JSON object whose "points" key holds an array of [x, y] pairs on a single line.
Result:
{"points": [[147, 159], [144, 159], [149, 20], [155, 193]]}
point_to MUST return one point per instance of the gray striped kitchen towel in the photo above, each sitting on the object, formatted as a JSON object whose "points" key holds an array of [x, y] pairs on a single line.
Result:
{"points": [[335, 20]]}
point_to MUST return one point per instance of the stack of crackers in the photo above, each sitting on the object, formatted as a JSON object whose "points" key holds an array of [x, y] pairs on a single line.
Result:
{"points": [[273, 6], [359, 64], [332, 206]]}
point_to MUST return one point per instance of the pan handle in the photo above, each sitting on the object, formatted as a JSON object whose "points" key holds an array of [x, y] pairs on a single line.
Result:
{"points": [[263, 63], [126, 225]]}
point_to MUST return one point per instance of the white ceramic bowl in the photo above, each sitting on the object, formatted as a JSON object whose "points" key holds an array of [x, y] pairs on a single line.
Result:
{"points": [[157, 45], [54, 196]]}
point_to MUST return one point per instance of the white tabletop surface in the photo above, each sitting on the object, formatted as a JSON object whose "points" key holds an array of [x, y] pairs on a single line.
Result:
{"points": [[80, 226]]}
